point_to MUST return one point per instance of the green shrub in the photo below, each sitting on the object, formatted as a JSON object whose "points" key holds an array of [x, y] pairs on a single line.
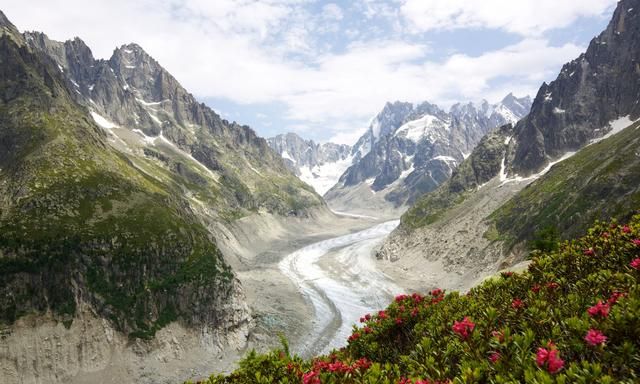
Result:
{"points": [[573, 317]]}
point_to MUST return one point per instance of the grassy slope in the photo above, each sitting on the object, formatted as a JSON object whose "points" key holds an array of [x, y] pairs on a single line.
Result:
{"points": [[600, 181], [77, 220], [514, 315]]}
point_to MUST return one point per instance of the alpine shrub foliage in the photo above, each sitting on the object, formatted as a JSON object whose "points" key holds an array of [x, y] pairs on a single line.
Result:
{"points": [[573, 317]]}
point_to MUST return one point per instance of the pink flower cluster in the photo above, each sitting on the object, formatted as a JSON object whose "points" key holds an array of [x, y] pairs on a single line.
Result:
{"points": [[600, 309], [517, 304], [404, 380], [334, 366], [595, 337], [463, 328], [549, 358]]}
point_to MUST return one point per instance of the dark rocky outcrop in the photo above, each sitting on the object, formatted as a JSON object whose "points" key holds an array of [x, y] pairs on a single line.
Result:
{"points": [[597, 87]]}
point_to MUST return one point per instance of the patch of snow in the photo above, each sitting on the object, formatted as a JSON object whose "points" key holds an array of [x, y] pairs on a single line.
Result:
{"points": [[101, 121], [286, 155], [557, 110], [155, 118], [630, 9], [128, 51], [323, 177], [74, 83], [447, 159], [375, 127], [60, 68], [572, 73], [507, 140], [91, 87], [130, 66], [546, 169], [427, 126], [547, 96], [149, 103], [465, 155], [615, 127], [503, 172], [406, 173]]}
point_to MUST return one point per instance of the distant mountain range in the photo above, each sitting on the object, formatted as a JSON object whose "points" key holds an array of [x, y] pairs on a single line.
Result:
{"points": [[410, 149], [319, 165], [407, 150]]}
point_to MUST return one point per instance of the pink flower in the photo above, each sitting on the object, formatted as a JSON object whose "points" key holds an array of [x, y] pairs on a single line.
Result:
{"points": [[541, 356], [589, 252], [436, 292], [554, 363], [367, 330], [494, 357], [552, 285], [498, 335], [401, 297], [398, 321], [595, 337], [535, 288], [550, 357], [310, 378], [507, 274], [636, 242], [382, 314], [605, 235], [362, 320], [626, 229], [463, 328], [517, 304], [635, 263], [414, 313], [615, 296], [600, 309], [355, 336]]}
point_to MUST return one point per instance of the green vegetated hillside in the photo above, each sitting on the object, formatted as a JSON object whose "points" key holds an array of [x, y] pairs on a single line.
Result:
{"points": [[601, 181], [79, 223], [572, 317]]}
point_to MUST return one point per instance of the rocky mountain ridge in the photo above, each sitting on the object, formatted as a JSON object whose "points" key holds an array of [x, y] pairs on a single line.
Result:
{"points": [[150, 115], [410, 149], [116, 186]]}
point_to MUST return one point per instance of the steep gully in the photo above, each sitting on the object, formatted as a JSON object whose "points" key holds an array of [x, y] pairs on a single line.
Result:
{"points": [[339, 278]]}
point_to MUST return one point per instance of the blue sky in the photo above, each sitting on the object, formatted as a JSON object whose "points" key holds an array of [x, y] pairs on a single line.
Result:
{"points": [[324, 68]]}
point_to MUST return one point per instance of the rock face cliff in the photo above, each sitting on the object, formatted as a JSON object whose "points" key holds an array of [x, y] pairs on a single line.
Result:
{"points": [[597, 87], [149, 113], [319, 165], [410, 150], [113, 182]]}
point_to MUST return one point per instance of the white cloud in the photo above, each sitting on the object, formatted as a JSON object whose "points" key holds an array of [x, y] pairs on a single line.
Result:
{"points": [[524, 17], [332, 11], [267, 51]]}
